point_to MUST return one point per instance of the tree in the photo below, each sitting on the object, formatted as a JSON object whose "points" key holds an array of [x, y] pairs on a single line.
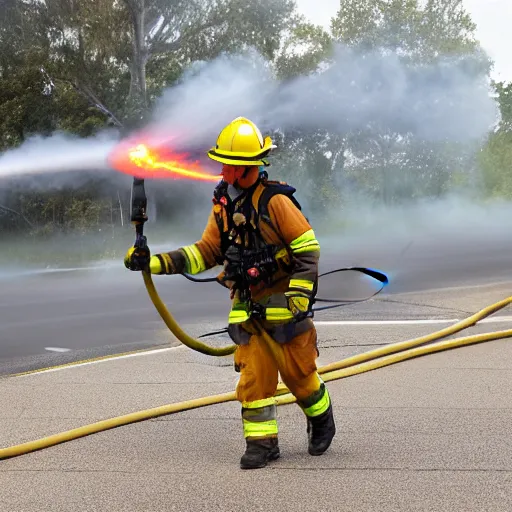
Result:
{"points": [[418, 30], [303, 49], [496, 163], [420, 34], [504, 96], [495, 158], [106, 48]]}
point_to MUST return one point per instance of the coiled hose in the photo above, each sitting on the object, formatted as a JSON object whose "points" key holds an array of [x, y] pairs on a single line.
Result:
{"points": [[354, 365]]}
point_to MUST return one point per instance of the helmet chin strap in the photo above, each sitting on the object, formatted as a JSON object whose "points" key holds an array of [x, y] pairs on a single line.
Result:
{"points": [[248, 178], [244, 175]]}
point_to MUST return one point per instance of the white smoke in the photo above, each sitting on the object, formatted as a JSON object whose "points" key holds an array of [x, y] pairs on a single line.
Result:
{"points": [[57, 153], [445, 100]]}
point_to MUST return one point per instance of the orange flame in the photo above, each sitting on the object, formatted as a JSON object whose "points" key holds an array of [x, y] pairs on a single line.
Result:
{"points": [[141, 161]]}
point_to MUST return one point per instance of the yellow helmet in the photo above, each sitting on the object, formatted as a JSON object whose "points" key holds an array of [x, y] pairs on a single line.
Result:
{"points": [[241, 143]]}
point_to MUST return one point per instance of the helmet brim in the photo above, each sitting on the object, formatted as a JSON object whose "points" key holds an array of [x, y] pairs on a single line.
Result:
{"points": [[235, 160], [247, 159]]}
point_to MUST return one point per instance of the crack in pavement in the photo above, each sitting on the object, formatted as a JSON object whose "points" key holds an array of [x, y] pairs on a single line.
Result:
{"points": [[442, 308]]}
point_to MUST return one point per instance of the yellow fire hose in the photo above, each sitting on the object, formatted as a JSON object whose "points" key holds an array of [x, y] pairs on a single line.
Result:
{"points": [[354, 365], [174, 327]]}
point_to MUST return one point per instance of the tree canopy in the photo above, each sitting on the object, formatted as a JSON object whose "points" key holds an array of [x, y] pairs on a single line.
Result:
{"points": [[79, 67]]}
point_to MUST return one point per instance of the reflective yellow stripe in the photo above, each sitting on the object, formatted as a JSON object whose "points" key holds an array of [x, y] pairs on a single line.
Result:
{"points": [[195, 260], [320, 407], [305, 243], [238, 317], [303, 284], [278, 314], [260, 428], [257, 404], [161, 264], [239, 313]]}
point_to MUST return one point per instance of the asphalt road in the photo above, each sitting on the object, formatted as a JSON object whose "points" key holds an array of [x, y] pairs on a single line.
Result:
{"points": [[49, 318], [428, 434]]}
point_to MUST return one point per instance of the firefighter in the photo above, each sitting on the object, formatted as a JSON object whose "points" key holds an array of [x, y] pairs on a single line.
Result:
{"points": [[270, 254]]}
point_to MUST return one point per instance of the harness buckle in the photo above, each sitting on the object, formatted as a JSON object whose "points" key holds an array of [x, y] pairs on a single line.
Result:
{"points": [[258, 311]]}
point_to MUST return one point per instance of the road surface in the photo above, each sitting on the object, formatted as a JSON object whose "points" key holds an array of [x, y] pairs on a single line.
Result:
{"points": [[49, 318]]}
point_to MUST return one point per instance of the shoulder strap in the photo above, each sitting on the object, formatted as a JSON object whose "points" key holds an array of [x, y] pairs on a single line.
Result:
{"points": [[273, 188], [265, 193]]}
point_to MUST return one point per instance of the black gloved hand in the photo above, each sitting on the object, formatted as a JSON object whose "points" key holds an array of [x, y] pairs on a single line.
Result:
{"points": [[137, 258]]}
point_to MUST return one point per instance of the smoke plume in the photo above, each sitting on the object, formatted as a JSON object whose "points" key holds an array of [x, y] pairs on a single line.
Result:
{"points": [[445, 100], [57, 153]]}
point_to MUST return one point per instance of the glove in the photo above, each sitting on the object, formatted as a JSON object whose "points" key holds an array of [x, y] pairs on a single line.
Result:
{"points": [[137, 258], [298, 304], [164, 264]]}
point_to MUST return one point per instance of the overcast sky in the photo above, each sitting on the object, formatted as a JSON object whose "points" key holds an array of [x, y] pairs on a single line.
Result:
{"points": [[492, 17]]}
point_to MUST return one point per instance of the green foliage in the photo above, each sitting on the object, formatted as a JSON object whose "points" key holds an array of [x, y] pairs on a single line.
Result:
{"points": [[120, 55], [304, 48], [66, 211], [76, 66], [398, 166], [504, 93], [418, 30], [496, 163], [495, 159]]}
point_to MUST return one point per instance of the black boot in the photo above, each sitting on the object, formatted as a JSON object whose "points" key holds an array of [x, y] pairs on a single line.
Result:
{"points": [[321, 430], [259, 452]]}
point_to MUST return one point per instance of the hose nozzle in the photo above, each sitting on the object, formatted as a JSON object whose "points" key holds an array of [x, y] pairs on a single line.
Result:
{"points": [[139, 202]]}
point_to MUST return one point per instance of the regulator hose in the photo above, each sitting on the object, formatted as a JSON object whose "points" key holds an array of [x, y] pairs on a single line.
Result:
{"points": [[379, 358]]}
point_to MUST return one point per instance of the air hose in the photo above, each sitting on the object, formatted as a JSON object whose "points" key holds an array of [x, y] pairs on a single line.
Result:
{"points": [[355, 365]]}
